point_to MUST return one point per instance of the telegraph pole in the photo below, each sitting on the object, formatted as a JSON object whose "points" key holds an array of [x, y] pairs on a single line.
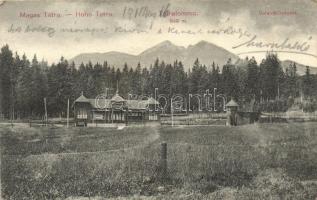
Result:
{"points": [[155, 94], [67, 113], [105, 104], [172, 112], [45, 107], [215, 99]]}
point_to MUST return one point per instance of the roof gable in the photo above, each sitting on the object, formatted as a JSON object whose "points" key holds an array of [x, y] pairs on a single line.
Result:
{"points": [[232, 103], [117, 98], [131, 104], [82, 99]]}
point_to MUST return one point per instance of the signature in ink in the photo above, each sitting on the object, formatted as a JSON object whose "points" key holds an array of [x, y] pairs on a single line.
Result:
{"points": [[287, 46]]}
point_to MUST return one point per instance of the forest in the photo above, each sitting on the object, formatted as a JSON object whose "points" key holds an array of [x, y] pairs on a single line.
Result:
{"points": [[26, 82]]}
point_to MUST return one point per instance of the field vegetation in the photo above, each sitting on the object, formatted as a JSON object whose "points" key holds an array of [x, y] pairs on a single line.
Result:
{"points": [[260, 161]]}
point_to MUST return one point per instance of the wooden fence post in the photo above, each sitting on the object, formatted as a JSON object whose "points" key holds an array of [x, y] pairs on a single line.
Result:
{"points": [[163, 161]]}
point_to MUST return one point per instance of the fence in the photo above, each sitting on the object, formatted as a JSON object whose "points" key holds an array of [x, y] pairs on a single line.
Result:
{"points": [[292, 116], [194, 119]]}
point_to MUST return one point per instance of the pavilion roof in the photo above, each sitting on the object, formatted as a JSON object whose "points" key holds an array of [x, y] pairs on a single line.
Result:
{"points": [[131, 104], [232, 103], [82, 99]]}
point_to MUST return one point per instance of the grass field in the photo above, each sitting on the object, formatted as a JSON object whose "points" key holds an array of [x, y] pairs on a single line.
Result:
{"points": [[261, 161]]}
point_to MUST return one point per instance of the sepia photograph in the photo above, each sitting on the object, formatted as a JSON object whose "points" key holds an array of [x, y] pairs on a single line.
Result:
{"points": [[158, 100]]}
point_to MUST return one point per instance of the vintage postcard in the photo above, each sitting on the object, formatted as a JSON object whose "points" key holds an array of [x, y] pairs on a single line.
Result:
{"points": [[169, 99]]}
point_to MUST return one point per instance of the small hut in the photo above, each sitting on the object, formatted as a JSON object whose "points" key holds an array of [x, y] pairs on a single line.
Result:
{"points": [[119, 107], [81, 110], [232, 116]]}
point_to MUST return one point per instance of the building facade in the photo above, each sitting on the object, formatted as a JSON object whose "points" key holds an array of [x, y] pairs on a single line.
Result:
{"points": [[114, 110]]}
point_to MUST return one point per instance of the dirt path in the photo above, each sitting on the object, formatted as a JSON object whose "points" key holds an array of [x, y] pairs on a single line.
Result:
{"points": [[150, 139]]}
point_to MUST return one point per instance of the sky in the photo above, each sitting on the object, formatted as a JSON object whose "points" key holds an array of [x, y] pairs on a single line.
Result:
{"points": [[289, 24]]}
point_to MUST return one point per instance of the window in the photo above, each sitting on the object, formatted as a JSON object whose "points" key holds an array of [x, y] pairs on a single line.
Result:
{"points": [[98, 116], [152, 116], [82, 113]]}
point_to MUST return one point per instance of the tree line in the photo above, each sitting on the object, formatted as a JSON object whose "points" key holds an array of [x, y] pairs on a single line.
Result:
{"points": [[25, 83]]}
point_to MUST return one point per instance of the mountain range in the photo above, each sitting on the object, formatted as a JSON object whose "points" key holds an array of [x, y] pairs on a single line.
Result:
{"points": [[206, 53]]}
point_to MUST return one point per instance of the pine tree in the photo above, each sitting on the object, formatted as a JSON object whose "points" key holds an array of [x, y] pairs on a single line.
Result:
{"points": [[38, 88], [23, 88], [270, 74], [194, 78], [154, 77], [229, 80], [252, 81], [136, 83], [124, 81], [291, 81], [98, 77], [212, 77], [168, 83], [180, 78], [60, 87], [307, 83], [145, 81], [7, 70]]}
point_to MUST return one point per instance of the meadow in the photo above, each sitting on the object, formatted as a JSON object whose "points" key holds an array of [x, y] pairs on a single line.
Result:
{"points": [[259, 161]]}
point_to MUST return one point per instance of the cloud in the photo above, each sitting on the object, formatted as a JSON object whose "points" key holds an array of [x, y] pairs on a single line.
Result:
{"points": [[211, 14]]}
